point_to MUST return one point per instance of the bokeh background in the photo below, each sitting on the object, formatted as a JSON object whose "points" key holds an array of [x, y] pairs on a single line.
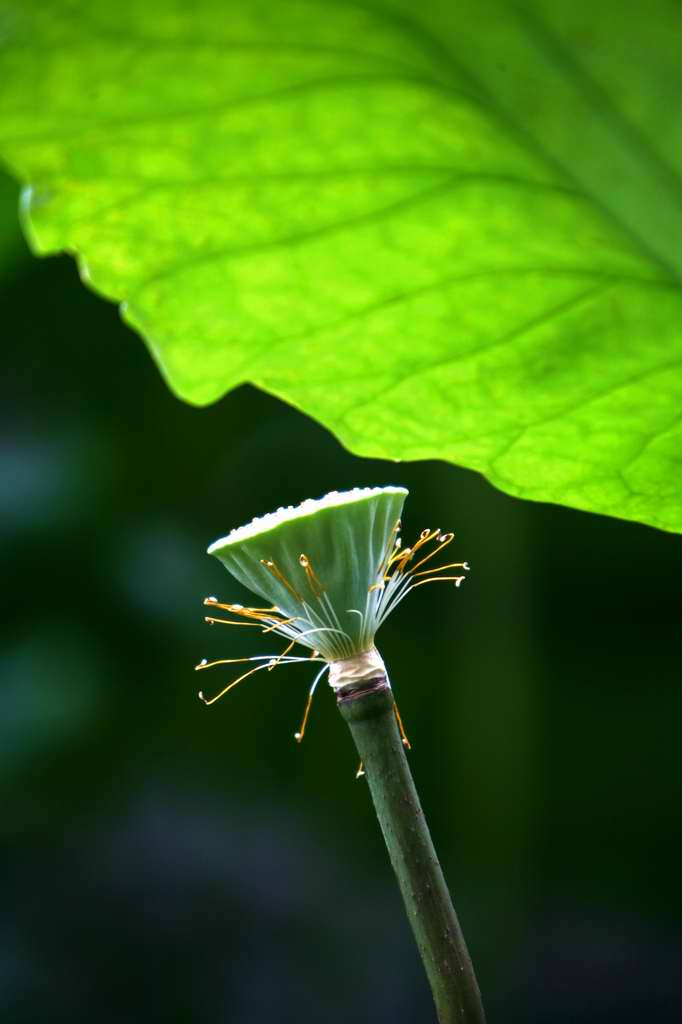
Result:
{"points": [[164, 861]]}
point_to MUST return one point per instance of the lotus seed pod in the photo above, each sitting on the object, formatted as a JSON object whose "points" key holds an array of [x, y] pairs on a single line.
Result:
{"points": [[332, 570], [319, 563]]}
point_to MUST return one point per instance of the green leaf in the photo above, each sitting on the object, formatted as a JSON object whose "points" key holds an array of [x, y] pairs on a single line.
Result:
{"points": [[447, 230]]}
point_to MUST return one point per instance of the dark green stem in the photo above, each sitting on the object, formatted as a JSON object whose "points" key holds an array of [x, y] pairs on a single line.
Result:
{"points": [[369, 711]]}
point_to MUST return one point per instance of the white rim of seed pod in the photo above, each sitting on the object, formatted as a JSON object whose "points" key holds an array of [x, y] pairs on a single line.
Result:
{"points": [[335, 499]]}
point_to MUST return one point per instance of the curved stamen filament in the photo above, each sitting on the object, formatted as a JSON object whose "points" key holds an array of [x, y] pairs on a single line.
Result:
{"points": [[211, 700], [424, 537]]}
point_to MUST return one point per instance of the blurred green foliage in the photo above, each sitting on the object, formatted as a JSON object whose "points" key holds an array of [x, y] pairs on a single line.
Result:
{"points": [[443, 230], [12, 248], [165, 861]]}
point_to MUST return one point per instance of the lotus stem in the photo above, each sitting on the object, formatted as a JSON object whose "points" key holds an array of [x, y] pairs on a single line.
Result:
{"points": [[369, 710]]}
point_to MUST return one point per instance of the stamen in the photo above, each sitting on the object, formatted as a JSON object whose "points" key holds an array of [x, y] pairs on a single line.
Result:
{"points": [[439, 568], [211, 700], [226, 661], [424, 537], [280, 577], [267, 661], [392, 544], [401, 727], [435, 579], [313, 581], [239, 608], [281, 622], [284, 653], [398, 555], [298, 736], [230, 622], [443, 543], [361, 771]]}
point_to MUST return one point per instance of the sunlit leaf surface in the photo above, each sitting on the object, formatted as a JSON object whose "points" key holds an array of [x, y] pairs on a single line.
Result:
{"points": [[447, 230]]}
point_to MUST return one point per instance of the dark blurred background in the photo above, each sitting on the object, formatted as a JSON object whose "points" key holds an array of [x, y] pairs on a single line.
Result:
{"points": [[165, 861]]}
